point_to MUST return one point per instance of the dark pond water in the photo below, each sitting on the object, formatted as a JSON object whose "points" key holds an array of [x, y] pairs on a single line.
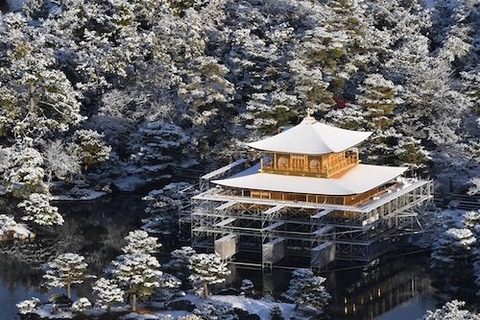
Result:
{"points": [[399, 288], [11, 5], [4, 6]]}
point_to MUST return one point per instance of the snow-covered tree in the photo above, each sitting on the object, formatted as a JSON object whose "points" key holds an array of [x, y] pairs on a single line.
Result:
{"points": [[139, 241], [22, 170], [432, 96], [451, 310], [246, 287], [80, 305], [161, 146], [46, 102], [91, 148], [350, 117], [108, 293], [276, 312], [28, 306], [213, 310], [475, 188], [61, 161], [9, 227], [207, 269], [206, 91], [310, 85], [453, 248], [307, 289], [172, 196], [379, 97], [190, 317], [138, 274], [471, 220], [172, 82], [169, 281], [180, 262], [37, 208], [6, 221], [64, 271]]}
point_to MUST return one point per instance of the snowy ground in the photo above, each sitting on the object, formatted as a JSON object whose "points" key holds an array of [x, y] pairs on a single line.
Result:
{"points": [[45, 313], [85, 196], [261, 308]]}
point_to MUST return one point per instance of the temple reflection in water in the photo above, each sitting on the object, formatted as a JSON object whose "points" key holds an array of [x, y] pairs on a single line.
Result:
{"points": [[364, 294]]}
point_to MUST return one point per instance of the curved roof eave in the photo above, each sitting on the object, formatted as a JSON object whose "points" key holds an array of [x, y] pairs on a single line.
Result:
{"points": [[359, 179], [311, 138]]}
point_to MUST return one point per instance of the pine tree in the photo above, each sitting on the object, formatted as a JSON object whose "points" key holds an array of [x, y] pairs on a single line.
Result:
{"points": [[215, 310], [37, 209], [246, 288], [28, 306], [22, 168], [91, 148], [379, 97], [307, 289], [453, 248], [46, 102], [206, 91], [451, 310], [161, 146], [64, 271], [139, 241], [138, 274], [108, 293], [475, 188], [180, 263], [81, 305], [207, 269], [471, 221], [276, 312]]}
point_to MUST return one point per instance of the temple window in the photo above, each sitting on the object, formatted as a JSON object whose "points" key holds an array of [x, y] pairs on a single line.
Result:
{"points": [[282, 162], [314, 164]]}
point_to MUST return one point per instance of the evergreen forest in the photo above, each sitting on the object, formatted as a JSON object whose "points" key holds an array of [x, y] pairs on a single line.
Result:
{"points": [[127, 95]]}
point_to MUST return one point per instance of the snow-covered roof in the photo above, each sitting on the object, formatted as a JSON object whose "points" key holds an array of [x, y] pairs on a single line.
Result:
{"points": [[359, 179], [311, 137]]}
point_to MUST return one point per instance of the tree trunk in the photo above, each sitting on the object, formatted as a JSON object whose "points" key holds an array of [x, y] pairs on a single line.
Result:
{"points": [[205, 289], [69, 294], [31, 98], [134, 302]]}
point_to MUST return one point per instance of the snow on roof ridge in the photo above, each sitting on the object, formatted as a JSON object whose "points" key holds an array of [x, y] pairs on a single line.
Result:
{"points": [[311, 137], [309, 120]]}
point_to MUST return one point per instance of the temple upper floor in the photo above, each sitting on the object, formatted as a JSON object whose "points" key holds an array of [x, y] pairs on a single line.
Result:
{"points": [[321, 166]]}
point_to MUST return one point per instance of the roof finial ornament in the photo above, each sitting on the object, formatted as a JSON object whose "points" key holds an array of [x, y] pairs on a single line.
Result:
{"points": [[310, 111], [309, 119]]}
